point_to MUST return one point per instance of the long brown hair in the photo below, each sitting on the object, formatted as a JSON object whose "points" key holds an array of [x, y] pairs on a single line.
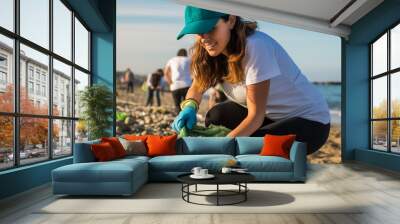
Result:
{"points": [[208, 70]]}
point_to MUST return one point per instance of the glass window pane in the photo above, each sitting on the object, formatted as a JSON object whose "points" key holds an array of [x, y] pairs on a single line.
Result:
{"points": [[62, 138], [62, 89], [379, 97], [395, 95], [81, 45], [81, 131], [379, 55], [379, 135], [7, 14], [33, 140], [62, 29], [35, 21], [6, 74], [395, 136], [81, 81], [395, 47], [6, 142], [34, 97]]}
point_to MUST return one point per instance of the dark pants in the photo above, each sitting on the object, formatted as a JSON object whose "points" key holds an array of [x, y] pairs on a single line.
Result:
{"points": [[179, 95], [231, 114], [130, 87], [150, 93]]}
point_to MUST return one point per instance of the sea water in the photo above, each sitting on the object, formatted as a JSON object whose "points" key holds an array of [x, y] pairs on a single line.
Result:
{"points": [[332, 94]]}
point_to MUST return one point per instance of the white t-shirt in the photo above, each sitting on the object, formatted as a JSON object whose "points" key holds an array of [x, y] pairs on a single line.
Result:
{"points": [[290, 92], [180, 72]]}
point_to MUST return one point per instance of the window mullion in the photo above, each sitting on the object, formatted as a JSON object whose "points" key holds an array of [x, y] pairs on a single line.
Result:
{"points": [[73, 82], [371, 99], [389, 93], [50, 81], [16, 84]]}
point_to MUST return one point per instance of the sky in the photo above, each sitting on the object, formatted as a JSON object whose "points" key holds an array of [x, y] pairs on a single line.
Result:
{"points": [[147, 30]]}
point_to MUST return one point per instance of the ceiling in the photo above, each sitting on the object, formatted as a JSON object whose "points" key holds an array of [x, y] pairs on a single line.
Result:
{"points": [[333, 17]]}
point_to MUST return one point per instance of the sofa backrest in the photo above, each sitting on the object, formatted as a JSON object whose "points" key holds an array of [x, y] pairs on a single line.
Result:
{"points": [[190, 146], [206, 145], [83, 153], [249, 145]]}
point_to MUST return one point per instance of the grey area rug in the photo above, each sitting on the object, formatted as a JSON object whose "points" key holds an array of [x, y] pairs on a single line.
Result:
{"points": [[166, 198]]}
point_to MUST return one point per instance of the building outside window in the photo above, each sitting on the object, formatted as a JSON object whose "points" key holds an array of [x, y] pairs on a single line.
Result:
{"points": [[3, 78], [3, 72], [37, 75], [30, 87], [3, 81], [43, 78], [38, 89], [30, 72], [43, 90]]}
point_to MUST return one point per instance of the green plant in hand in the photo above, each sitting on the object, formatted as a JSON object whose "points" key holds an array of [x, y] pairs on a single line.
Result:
{"points": [[120, 116], [201, 131], [96, 102]]}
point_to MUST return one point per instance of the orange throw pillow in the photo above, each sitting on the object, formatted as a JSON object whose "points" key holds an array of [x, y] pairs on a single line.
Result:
{"points": [[116, 145], [161, 145], [103, 151], [277, 145]]}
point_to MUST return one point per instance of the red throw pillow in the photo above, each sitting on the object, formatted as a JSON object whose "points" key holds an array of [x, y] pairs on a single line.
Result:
{"points": [[161, 145], [103, 151], [277, 145], [116, 145]]}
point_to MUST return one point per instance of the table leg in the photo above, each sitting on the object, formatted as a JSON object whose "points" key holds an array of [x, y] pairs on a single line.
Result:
{"points": [[182, 188], [196, 188], [245, 193], [217, 194], [188, 190]]}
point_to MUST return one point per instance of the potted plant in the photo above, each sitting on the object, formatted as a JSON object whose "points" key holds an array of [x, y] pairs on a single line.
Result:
{"points": [[96, 102]]}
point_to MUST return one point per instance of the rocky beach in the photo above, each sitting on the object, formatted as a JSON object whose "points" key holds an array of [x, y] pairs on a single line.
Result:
{"points": [[136, 118]]}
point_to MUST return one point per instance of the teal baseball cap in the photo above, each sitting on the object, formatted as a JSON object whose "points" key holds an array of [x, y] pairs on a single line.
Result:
{"points": [[199, 21]]}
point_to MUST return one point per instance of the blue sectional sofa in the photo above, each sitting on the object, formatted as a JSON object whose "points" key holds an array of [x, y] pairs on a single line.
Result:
{"points": [[125, 176]]}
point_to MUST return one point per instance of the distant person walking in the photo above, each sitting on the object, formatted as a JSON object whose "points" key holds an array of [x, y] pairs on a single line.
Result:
{"points": [[177, 75], [129, 79], [153, 83]]}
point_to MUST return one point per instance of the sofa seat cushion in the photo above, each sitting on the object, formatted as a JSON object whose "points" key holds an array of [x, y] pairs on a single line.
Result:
{"points": [[112, 171], [185, 163], [257, 163]]}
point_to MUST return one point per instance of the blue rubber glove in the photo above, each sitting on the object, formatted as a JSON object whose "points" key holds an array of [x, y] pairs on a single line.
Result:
{"points": [[186, 118]]}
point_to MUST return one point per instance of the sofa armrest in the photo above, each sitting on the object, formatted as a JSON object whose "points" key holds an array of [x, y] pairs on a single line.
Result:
{"points": [[298, 155], [83, 152]]}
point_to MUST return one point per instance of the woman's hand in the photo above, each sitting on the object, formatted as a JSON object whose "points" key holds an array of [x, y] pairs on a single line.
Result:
{"points": [[257, 95], [186, 118]]}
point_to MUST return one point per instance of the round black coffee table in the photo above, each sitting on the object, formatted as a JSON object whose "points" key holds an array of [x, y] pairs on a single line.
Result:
{"points": [[238, 179]]}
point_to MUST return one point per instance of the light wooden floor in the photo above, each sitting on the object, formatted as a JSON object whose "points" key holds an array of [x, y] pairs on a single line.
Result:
{"points": [[379, 189]]}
